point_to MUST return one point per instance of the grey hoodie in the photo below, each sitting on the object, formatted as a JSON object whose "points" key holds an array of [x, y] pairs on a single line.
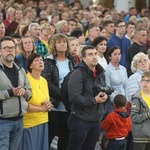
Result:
{"points": [[13, 106]]}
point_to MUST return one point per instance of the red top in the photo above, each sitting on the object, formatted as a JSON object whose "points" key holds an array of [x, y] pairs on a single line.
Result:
{"points": [[117, 124], [7, 22], [95, 73], [77, 59]]}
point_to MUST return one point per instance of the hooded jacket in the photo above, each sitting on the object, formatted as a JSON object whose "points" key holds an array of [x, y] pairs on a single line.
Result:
{"points": [[82, 96], [10, 105], [140, 114], [117, 124]]}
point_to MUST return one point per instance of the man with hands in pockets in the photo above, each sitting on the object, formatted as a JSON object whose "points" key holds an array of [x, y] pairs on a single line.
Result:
{"points": [[88, 107]]}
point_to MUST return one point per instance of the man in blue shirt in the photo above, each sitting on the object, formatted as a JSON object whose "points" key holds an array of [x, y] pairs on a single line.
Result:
{"points": [[118, 39]]}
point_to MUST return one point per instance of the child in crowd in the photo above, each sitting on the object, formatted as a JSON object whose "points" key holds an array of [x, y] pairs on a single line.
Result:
{"points": [[140, 114], [117, 124], [73, 43]]}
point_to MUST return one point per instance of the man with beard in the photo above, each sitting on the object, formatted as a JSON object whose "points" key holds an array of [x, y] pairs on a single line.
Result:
{"points": [[14, 92]]}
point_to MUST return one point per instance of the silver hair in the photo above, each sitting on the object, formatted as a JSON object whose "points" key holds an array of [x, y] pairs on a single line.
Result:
{"points": [[32, 25], [135, 59]]}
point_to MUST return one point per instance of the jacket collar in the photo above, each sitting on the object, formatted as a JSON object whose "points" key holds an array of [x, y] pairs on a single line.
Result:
{"points": [[2, 66]]}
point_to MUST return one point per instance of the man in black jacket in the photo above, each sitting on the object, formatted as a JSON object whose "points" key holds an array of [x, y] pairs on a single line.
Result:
{"points": [[87, 106], [139, 45]]}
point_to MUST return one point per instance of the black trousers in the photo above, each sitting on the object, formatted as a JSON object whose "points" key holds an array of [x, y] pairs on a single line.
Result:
{"points": [[83, 135], [141, 146], [58, 126]]}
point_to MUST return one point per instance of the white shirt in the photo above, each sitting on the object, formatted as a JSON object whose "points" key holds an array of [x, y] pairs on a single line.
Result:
{"points": [[102, 61]]}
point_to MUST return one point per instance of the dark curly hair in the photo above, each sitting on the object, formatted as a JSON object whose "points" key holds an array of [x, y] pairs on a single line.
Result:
{"points": [[98, 40]]}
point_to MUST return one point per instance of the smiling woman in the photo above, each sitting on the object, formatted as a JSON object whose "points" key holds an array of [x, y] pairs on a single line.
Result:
{"points": [[100, 43]]}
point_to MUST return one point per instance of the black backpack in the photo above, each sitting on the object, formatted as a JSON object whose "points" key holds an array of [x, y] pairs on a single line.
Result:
{"points": [[64, 89]]}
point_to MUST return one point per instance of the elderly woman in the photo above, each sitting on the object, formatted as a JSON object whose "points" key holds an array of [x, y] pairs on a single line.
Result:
{"points": [[35, 133], [27, 48], [140, 64], [57, 66]]}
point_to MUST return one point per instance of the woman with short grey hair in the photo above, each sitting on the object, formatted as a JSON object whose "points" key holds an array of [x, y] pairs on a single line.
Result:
{"points": [[139, 64]]}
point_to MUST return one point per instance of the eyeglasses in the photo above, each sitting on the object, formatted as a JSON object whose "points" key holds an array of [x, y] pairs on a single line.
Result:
{"points": [[145, 81], [142, 61], [7, 48]]}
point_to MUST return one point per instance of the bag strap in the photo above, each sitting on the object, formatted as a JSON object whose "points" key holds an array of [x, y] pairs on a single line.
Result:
{"points": [[84, 76]]}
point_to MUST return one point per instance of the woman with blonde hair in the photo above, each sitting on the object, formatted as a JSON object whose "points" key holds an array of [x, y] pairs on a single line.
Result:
{"points": [[21, 25], [10, 16], [45, 34], [73, 42], [57, 66], [27, 47]]}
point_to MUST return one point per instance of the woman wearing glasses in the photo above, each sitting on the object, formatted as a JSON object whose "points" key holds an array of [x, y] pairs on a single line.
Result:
{"points": [[140, 114], [139, 64]]}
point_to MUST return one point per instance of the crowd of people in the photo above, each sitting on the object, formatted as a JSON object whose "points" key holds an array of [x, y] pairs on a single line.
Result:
{"points": [[108, 55]]}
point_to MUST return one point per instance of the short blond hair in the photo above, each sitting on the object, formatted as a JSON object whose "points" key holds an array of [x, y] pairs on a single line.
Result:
{"points": [[45, 26]]}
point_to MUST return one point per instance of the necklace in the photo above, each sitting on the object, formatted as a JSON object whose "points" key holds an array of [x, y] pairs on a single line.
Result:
{"points": [[38, 84]]}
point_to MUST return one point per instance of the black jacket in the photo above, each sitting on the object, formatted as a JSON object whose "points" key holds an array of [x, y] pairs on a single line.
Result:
{"points": [[82, 97], [51, 74]]}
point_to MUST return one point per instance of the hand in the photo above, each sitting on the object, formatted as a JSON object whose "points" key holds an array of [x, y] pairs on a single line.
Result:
{"points": [[19, 91], [47, 106], [100, 99]]}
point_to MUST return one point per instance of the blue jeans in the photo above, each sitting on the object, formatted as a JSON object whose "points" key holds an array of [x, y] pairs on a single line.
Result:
{"points": [[116, 144], [10, 134]]}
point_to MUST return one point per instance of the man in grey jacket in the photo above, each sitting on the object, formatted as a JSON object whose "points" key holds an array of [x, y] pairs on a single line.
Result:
{"points": [[14, 92]]}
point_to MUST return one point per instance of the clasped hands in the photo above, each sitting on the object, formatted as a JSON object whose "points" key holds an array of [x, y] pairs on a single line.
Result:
{"points": [[19, 91], [46, 106]]}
